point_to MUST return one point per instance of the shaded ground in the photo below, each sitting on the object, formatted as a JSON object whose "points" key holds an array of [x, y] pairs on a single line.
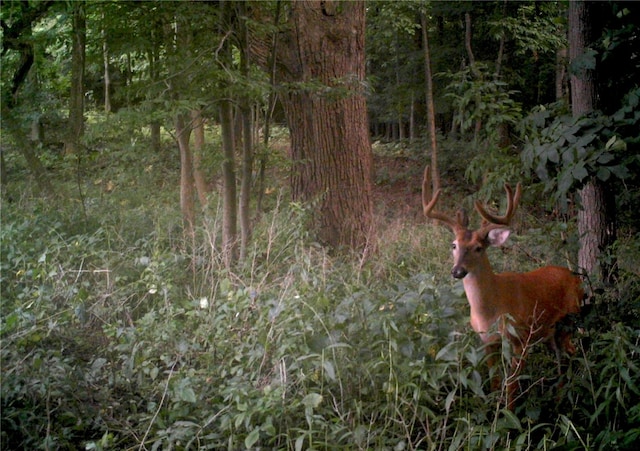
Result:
{"points": [[397, 187]]}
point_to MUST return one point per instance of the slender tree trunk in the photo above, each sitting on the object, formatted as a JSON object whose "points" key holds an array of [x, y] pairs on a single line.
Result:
{"points": [[263, 156], [472, 64], [107, 74], [330, 148], [229, 202], [128, 78], [229, 195], [197, 124], [247, 142], [561, 74], [496, 74], [596, 218], [154, 75], [187, 208], [76, 97], [412, 119], [183, 127], [3, 173], [431, 117], [245, 187], [467, 45]]}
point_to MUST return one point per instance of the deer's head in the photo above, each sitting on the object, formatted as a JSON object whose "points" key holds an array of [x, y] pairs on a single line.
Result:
{"points": [[469, 246]]}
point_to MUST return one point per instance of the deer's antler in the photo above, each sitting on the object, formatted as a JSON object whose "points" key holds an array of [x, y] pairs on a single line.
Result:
{"points": [[491, 221], [429, 202]]}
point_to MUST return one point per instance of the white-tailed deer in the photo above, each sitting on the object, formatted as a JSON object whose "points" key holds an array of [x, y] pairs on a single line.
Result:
{"points": [[524, 308]]}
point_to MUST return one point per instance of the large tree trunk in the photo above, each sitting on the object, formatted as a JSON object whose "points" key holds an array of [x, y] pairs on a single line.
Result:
{"points": [[37, 170], [76, 97], [330, 148], [18, 37], [596, 218]]}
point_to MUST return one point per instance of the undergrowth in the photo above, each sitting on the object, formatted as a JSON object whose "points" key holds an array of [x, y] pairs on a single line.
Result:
{"points": [[118, 334]]}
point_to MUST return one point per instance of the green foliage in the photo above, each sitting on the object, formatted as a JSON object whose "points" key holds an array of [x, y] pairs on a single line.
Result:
{"points": [[532, 31], [564, 151], [117, 335], [492, 169], [483, 101], [607, 378]]}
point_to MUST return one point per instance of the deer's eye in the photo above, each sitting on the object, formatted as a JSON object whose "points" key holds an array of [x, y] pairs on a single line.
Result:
{"points": [[454, 246], [478, 249]]}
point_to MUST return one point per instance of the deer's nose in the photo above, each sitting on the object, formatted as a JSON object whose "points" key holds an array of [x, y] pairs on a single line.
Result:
{"points": [[458, 272]]}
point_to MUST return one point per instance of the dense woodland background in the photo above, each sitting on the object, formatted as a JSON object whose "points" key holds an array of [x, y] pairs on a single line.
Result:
{"points": [[212, 234]]}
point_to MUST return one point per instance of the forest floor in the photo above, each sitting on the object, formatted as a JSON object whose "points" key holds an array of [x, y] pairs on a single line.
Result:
{"points": [[397, 188]]}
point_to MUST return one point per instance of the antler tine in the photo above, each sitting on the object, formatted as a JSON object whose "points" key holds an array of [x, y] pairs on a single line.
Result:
{"points": [[429, 202], [512, 203]]}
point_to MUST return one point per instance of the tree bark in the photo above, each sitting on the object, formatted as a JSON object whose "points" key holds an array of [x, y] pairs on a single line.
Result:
{"points": [[76, 97], [229, 202], [197, 124], [270, 64], [561, 75], [246, 113], [431, 117], [474, 68], [13, 126], [323, 58], [18, 37], [245, 184], [596, 218], [107, 74], [154, 74], [183, 134]]}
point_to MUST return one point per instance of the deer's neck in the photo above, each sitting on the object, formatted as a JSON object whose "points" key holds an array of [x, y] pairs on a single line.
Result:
{"points": [[481, 288]]}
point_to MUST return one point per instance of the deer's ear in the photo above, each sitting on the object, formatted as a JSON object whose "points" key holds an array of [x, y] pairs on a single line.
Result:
{"points": [[497, 237]]}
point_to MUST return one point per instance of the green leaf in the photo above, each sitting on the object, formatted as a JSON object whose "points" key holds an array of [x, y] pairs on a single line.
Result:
{"points": [[605, 157], [511, 421], [620, 171], [611, 142], [579, 172], [448, 353], [564, 182], [329, 370], [552, 154], [450, 398], [252, 438], [312, 400], [603, 173], [583, 141], [187, 394], [568, 155]]}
